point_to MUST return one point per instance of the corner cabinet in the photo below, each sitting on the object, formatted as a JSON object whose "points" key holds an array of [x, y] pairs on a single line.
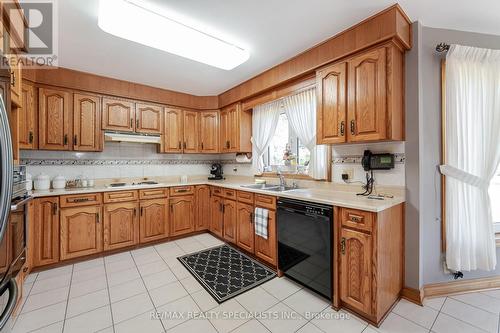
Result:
{"points": [[371, 263], [235, 129], [209, 132], [55, 119], [190, 130], [360, 99]]}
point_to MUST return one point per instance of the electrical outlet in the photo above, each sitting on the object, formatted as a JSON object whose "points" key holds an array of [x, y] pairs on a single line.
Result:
{"points": [[349, 172]]}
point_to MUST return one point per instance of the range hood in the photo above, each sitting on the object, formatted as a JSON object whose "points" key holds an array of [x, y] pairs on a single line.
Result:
{"points": [[131, 137]]}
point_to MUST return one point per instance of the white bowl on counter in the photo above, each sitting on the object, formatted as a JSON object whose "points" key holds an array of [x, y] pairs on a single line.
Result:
{"points": [[42, 182]]}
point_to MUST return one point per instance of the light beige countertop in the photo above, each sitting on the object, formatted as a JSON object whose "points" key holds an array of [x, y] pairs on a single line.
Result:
{"points": [[318, 192]]}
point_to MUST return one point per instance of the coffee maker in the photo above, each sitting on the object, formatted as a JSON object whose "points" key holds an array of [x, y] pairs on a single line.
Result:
{"points": [[216, 172]]}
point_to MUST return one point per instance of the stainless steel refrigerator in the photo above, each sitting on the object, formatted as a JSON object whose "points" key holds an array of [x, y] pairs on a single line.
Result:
{"points": [[8, 286]]}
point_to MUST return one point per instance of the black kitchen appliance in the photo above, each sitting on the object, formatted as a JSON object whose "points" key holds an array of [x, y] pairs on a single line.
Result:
{"points": [[305, 244], [216, 172]]}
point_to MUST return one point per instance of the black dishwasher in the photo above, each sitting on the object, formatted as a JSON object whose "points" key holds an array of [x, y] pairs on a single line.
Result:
{"points": [[305, 244]]}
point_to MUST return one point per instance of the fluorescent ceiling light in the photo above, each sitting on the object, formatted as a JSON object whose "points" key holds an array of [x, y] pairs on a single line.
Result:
{"points": [[135, 22]]}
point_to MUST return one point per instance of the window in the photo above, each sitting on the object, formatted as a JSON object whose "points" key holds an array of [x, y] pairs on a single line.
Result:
{"points": [[495, 199], [285, 151]]}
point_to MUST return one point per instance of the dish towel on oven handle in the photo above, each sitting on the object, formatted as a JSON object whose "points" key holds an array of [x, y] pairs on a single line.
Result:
{"points": [[261, 218]]}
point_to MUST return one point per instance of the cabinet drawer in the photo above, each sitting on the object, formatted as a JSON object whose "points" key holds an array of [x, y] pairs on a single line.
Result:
{"points": [[230, 194], [77, 200], [265, 201], [245, 197], [154, 193], [217, 191], [357, 219], [181, 190], [120, 196]]}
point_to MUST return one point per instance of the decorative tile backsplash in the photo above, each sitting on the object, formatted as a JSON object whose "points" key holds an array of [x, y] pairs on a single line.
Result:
{"points": [[69, 162]]}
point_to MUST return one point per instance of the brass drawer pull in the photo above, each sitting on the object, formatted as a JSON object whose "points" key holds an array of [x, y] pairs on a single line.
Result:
{"points": [[342, 245], [356, 219], [77, 200], [342, 128]]}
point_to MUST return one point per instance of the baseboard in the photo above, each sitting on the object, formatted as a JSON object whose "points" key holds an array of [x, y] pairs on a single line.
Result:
{"points": [[413, 295], [461, 287]]}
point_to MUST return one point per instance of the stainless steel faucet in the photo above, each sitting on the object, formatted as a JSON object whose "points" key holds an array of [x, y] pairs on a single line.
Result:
{"points": [[282, 178]]}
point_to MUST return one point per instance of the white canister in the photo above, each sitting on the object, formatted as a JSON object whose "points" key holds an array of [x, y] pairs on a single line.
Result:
{"points": [[59, 182], [42, 182]]}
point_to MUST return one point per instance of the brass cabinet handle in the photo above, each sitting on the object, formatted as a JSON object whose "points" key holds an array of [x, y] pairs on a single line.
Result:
{"points": [[180, 145], [77, 200], [75, 140], [182, 190], [342, 128], [142, 211], [171, 208], [65, 139], [13, 78], [98, 218], [251, 218], [55, 208], [135, 212], [202, 145], [227, 144], [352, 127], [342, 245], [356, 219], [30, 138], [137, 124], [185, 145], [131, 123]]}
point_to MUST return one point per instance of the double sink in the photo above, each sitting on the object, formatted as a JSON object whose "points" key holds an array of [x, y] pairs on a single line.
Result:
{"points": [[268, 187]]}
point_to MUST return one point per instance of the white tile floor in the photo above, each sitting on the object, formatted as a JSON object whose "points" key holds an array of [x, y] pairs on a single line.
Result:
{"points": [[119, 293]]}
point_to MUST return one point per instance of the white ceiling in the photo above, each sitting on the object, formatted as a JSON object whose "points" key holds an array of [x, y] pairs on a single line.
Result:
{"points": [[273, 31]]}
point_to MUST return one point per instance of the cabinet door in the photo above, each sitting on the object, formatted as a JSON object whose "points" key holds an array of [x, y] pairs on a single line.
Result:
{"points": [[225, 130], [203, 207], [149, 119], [265, 249], [229, 211], [87, 123], [173, 136], [216, 217], [356, 269], [181, 215], [55, 121], [121, 225], [81, 231], [209, 132], [191, 131], [154, 220], [367, 97], [245, 227], [16, 81], [331, 104], [27, 118], [46, 231], [5, 253], [118, 115]]}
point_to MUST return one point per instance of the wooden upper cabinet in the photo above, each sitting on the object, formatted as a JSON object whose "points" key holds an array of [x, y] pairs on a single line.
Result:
{"points": [[245, 227], [153, 220], [54, 119], [182, 212], [202, 207], [16, 79], [118, 115], [209, 132], [230, 215], [27, 118], [356, 269], [331, 94], [81, 231], [121, 225], [46, 231], [149, 118], [235, 129], [367, 96], [191, 119], [173, 137], [87, 123]]}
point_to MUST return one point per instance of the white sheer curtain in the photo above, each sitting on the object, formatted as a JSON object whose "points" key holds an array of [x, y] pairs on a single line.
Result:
{"points": [[472, 155], [264, 121], [301, 113]]}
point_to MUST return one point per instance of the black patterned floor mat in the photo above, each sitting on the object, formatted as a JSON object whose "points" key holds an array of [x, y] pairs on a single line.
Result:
{"points": [[225, 272]]}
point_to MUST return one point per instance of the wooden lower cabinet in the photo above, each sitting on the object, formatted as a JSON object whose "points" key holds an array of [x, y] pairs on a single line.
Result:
{"points": [[154, 220], [371, 260], [245, 227], [202, 207], [81, 232], [229, 212], [46, 231], [182, 213], [216, 217], [266, 249], [356, 269], [121, 225]]}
